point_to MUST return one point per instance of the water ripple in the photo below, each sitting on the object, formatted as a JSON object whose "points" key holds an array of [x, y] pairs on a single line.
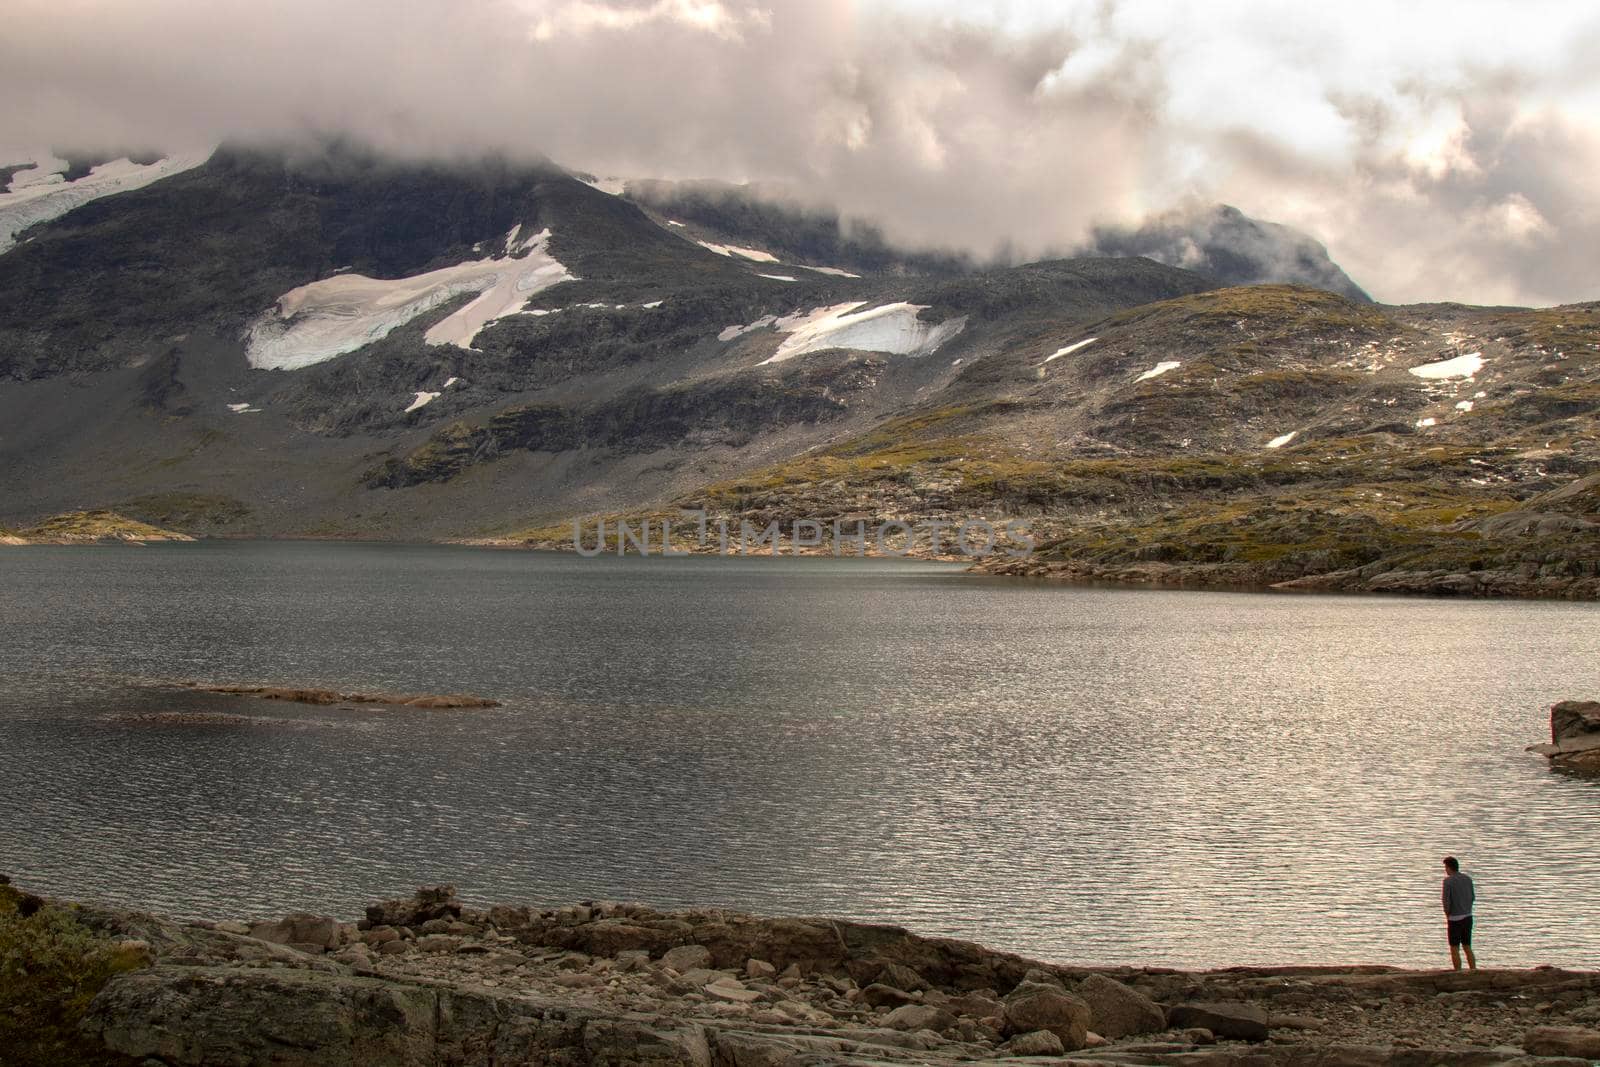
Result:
{"points": [[1080, 774]]}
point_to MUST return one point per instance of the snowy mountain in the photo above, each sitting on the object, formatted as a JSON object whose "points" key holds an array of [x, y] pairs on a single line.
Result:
{"points": [[327, 342]]}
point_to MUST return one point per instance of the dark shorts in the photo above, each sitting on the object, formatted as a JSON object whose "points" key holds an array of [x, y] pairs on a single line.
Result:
{"points": [[1459, 930]]}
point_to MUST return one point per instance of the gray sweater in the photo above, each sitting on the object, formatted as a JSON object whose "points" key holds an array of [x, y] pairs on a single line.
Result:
{"points": [[1458, 894]]}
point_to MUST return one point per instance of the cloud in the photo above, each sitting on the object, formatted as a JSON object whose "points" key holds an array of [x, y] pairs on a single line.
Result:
{"points": [[579, 17], [1441, 150]]}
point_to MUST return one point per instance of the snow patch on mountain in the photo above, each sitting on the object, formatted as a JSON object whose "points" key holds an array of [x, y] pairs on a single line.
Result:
{"points": [[753, 254], [1158, 370], [891, 328], [1067, 351], [1279, 442], [423, 400], [42, 193], [330, 317], [731, 332], [1460, 367], [835, 271], [778, 277]]}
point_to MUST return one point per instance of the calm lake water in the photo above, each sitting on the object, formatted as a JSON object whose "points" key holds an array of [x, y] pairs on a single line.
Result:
{"points": [[1082, 775]]}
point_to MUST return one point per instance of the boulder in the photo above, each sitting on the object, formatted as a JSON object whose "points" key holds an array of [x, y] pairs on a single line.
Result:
{"points": [[1118, 1010], [1238, 1022], [733, 991], [914, 1017], [980, 1005], [1035, 1043], [1035, 1006], [1574, 736], [430, 902], [607, 937], [1574, 718], [883, 996], [902, 977], [303, 931], [759, 969], [686, 958], [379, 935], [1563, 1041], [626, 1041]]}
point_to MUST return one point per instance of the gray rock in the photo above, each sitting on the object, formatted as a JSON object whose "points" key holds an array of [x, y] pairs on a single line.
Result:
{"points": [[978, 1005], [379, 935], [1033, 1006], [686, 958], [306, 932], [1117, 1010], [1035, 1043], [251, 1017], [1239, 1022], [883, 996], [901, 977], [914, 1017], [1040, 976], [1563, 1041], [627, 1041], [1574, 718]]}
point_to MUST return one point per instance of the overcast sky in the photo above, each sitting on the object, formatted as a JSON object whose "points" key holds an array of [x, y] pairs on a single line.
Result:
{"points": [[1442, 150]]}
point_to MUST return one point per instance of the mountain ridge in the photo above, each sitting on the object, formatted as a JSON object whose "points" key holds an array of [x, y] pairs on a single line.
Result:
{"points": [[652, 364]]}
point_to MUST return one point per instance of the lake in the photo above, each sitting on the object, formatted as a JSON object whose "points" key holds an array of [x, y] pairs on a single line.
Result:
{"points": [[1084, 775]]}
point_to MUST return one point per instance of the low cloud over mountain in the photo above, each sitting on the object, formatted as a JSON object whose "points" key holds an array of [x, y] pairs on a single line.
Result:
{"points": [[1440, 153]]}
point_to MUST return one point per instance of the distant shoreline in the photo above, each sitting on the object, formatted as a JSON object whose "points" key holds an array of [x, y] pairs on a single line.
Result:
{"points": [[1171, 577]]}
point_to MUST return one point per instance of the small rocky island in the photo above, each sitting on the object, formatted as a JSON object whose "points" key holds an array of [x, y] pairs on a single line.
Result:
{"points": [[429, 981], [1574, 736], [299, 694], [89, 528]]}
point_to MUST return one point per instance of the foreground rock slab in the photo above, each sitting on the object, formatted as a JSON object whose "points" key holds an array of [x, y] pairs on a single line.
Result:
{"points": [[428, 982]]}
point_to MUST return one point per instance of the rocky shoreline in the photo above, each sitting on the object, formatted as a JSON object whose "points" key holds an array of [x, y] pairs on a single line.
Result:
{"points": [[429, 981], [1555, 579], [1378, 578]]}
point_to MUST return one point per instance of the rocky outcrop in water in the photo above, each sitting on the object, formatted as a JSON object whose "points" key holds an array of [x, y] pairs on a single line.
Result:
{"points": [[324, 697], [430, 981], [1574, 736], [87, 528]]}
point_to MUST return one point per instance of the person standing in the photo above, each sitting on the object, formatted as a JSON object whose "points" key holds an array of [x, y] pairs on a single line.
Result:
{"points": [[1458, 897]]}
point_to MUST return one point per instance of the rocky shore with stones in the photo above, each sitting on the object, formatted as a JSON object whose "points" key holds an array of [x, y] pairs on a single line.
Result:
{"points": [[431, 981]]}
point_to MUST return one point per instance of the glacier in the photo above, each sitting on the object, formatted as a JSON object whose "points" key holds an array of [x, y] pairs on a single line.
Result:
{"points": [[891, 328], [42, 192], [333, 316]]}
